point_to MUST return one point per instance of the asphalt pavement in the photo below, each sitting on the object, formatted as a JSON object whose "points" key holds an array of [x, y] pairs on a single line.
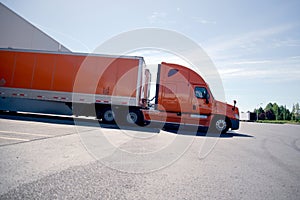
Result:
{"points": [[45, 157]]}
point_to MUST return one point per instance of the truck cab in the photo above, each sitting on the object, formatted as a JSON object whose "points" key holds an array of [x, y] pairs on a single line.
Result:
{"points": [[183, 97]]}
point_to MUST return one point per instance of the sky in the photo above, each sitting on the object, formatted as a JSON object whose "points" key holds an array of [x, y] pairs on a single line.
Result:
{"points": [[255, 45]]}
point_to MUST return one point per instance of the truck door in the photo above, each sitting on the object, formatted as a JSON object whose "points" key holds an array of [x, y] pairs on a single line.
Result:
{"points": [[201, 103], [201, 106]]}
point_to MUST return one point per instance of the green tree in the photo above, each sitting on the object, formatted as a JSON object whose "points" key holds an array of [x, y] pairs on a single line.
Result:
{"points": [[260, 113], [281, 113], [293, 112], [270, 115], [262, 116], [296, 112], [269, 106], [261, 110], [288, 115], [276, 110]]}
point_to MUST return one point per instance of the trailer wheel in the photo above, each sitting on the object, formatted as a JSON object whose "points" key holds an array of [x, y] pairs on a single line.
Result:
{"points": [[134, 117], [108, 116], [220, 125]]}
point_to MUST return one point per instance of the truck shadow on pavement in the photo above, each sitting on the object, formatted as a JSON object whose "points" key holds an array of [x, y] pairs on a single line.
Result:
{"points": [[234, 134], [229, 134], [69, 120]]}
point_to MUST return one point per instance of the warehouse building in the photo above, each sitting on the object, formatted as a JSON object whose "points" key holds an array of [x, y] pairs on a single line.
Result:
{"points": [[18, 33]]}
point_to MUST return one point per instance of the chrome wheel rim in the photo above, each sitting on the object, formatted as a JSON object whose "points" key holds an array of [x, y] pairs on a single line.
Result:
{"points": [[221, 125], [109, 116], [132, 117]]}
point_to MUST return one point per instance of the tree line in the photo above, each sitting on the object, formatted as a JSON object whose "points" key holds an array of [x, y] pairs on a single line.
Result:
{"points": [[275, 112]]}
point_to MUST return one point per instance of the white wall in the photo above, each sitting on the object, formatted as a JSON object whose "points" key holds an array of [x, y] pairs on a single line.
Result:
{"points": [[17, 33]]}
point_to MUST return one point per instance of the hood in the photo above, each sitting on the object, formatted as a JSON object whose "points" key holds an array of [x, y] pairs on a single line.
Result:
{"points": [[223, 108]]}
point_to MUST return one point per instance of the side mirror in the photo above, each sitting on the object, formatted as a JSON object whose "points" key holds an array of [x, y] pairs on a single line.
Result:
{"points": [[207, 98], [234, 103]]}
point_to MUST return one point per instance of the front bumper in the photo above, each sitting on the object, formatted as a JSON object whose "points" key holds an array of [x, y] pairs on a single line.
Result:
{"points": [[235, 124]]}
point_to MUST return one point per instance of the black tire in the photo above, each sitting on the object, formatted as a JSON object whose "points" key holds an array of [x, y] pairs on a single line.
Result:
{"points": [[108, 116], [134, 117], [220, 125]]}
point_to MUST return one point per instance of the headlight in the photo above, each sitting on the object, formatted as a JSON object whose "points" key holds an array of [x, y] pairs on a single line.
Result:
{"points": [[236, 116]]}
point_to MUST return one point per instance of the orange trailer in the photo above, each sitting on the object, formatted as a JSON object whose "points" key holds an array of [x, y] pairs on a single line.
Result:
{"points": [[86, 84]]}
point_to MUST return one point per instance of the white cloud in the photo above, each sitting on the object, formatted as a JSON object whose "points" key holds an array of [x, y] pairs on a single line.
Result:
{"points": [[156, 56], [246, 41], [279, 70], [233, 56], [157, 17], [203, 21], [286, 43], [250, 62]]}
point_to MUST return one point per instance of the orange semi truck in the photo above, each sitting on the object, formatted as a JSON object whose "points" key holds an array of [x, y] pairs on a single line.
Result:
{"points": [[111, 88]]}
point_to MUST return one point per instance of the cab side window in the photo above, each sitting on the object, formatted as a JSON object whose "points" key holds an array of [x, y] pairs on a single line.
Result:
{"points": [[201, 92]]}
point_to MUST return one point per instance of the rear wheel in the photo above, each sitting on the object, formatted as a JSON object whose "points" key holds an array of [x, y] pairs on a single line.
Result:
{"points": [[134, 117], [108, 116]]}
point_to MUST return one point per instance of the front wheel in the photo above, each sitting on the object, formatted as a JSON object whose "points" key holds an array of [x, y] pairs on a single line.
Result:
{"points": [[219, 125]]}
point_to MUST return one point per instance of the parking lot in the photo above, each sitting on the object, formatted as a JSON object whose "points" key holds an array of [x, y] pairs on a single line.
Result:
{"points": [[48, 157]]}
